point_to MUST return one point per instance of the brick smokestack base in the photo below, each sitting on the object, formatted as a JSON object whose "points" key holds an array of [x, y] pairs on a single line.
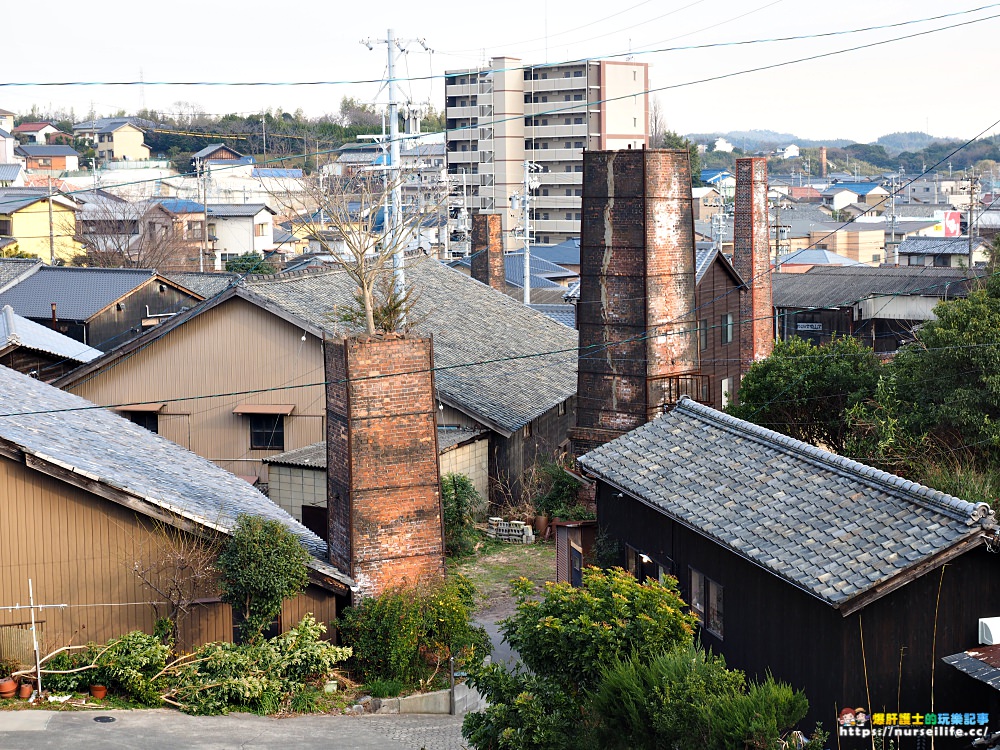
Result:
{"points": [[637, 276], [384, 503], [487, 251], [752, 261]]}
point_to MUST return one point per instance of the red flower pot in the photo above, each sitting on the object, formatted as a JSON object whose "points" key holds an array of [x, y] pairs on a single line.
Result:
{"points": [[98, 691], [7, 688]]}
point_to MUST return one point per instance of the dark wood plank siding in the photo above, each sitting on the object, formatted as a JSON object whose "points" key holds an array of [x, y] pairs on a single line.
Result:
{"points": [[511, 457], [769, 625], [717, 294]]}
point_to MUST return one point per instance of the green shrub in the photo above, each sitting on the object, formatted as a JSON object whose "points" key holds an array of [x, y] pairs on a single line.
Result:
{"points": [[380, 688], [459, 500], [63, 662], [558, 491], [130, 667], [408, 633], [262, 564]]}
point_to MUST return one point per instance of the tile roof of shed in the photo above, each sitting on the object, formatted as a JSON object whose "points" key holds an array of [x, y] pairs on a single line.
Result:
{"points": [[103, 447], [204, 284], [842, 286], [496, 360], [12, 269], [828, 525], [18, 331], [237, 209], [564, 314], [78, 293], [41, 150], [981, 663], [939, 245]]}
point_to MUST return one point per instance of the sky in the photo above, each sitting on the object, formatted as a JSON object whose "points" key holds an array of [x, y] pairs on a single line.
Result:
{"points": [[936, 82]]}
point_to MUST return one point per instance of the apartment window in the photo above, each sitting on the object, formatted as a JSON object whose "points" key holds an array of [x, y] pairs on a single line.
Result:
{"points": [[545, 217], [569, 191], [260, 230], [727, 392], [267, 432], [545, 146], [728, 326], [578, 121], [703, 334], [569, 216], [566, 98], [566, 74], [545, 122], [579, 191], [566, 121], [527, 122], [195, 229], [545, 98], [706, 602], [545, 191], [465, 147], [578, 168], [577, 97], [635, 122], [567, 144], [5, 227], [578, 217], [578, 144], [568, 168], [577, 73], [545, 76], [527, 98]]}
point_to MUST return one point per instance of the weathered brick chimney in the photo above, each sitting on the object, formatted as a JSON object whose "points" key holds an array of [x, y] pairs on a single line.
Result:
{"points": [[636, 313], [384, 504], [822, 161], [752, 261], [487, 251]]}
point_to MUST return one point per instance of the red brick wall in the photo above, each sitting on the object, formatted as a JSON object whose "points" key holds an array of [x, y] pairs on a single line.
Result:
{"points": [[752, 260], [636, 305], [384, 499], [487, 251]]}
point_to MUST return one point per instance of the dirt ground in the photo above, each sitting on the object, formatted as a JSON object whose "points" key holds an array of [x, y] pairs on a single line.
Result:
{"points": [[496, 565]]}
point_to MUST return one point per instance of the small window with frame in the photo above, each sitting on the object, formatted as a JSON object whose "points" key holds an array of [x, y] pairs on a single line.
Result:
{"points": [[706, 602], [267, 432]]}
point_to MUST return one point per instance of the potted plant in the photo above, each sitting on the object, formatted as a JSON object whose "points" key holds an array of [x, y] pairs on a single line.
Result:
{"points": [[98, 691], [26, 689], [8, 685]]}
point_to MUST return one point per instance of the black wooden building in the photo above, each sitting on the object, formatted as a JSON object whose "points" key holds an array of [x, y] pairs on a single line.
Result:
{"points": [[847, 582]]}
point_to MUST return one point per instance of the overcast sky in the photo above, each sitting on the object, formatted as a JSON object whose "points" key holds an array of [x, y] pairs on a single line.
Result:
{"points": [[939, 82]]}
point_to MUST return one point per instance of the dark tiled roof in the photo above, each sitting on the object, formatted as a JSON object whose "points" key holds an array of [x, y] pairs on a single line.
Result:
{"points": [[826, 524], [841, 286], [939, 245], [204, 284], [236, 209], [101, 446], [211, 149], [528, 362], [77, 292], [13, 268], [38, 150], [514, 271], [21, 332]]}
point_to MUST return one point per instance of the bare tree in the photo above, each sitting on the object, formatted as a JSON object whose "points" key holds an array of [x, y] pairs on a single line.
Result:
{"points": [[346, 218], [121, 233], [179, 568], [657, 122]]}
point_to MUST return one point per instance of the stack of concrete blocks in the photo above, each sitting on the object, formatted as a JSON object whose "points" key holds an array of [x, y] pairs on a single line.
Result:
{"points": [[515, 532]]}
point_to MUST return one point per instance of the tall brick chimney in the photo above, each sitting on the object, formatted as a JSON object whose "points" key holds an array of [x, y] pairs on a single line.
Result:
{"points": [[822, 161], [636, 310], [752, 261], [384, 505], [487, 251]]}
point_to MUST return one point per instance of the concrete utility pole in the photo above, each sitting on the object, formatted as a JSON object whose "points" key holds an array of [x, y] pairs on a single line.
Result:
{"points": [[972, 225], [52, 231], [522, 201], [394, 214]]}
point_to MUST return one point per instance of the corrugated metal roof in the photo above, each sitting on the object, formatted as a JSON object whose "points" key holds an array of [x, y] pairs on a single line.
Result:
{"points": [[77, 292], [40, 150], [97, 444], [18, 331], [842, 286], [940, 245], [9, 172], [276, 172], [237, 209], [826, 524]]}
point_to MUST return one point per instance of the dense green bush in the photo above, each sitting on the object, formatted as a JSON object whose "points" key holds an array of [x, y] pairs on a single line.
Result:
{"points": [[262, 564], [380, 688], [459, 500], [408, 633], [557, 492], [131, 666]]}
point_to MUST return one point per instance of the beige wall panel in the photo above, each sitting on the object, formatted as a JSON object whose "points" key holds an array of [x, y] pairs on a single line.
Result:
{"points": [[231, 348]]}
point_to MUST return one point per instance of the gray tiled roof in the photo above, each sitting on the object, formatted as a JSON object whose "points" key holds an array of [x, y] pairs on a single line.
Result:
{"points": [[78, 293], [18, 331], [236, 209], [314, 456], [816, 257], [840, 286], [496, 360], [564, 314], [939, 245], [56, 150], [101, 446], [828, 525], [12, 268], [204, 284]]}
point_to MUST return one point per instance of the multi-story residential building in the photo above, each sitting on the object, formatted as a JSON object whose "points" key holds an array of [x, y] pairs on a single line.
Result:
{"points": [[502, 116], [116, 138]]}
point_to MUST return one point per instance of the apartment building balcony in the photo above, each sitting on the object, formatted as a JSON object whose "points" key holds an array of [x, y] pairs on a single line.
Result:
{"points": [[555, 203], [466, 112], [561, 179], [466, 89], [573, 83], [549, 155], [464, 134], [556, 109], [546, 226], [556, 131]]}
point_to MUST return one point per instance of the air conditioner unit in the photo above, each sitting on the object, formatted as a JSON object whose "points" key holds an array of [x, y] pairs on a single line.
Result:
{"points": [[989, 631]]}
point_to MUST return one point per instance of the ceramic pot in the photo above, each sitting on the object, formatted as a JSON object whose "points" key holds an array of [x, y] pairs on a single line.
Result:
{"points": [[98, 691], [7, 688], [24, 692]]}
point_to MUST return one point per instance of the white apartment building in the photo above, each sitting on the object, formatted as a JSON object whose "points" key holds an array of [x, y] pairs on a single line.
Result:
{"points": [[500, 116]]}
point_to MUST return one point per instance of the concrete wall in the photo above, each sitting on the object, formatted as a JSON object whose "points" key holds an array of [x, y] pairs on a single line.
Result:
{"points": [[472, 460]]}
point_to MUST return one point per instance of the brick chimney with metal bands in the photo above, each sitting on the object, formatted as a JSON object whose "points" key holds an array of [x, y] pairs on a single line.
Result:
{"points": [[487, 251], [637, 283], [752, 261]]}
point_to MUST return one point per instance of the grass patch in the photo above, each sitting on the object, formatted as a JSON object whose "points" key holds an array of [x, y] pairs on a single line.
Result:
{"points": [[384, 688], [495, 564]]}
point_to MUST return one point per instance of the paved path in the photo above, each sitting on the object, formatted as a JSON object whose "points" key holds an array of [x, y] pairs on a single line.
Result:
{"points": [[162, 729]]}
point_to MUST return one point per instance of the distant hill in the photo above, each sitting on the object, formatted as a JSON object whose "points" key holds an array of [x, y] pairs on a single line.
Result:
{"points": [[895, 143], [755, 140]]}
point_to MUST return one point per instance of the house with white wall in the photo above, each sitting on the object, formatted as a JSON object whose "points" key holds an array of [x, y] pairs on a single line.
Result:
{"points": [[238, 228]]}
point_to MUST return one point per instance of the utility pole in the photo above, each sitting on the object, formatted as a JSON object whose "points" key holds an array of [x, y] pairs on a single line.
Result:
{"points": [[263, 135], [522, 201], [52, 231], [203, 189], [972, 226], [394, 216]]}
